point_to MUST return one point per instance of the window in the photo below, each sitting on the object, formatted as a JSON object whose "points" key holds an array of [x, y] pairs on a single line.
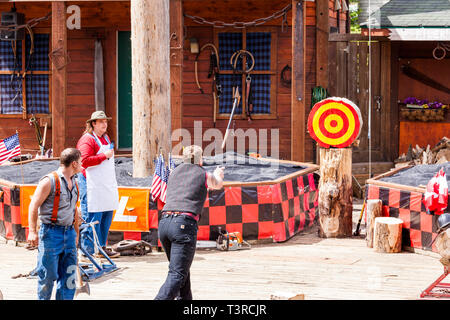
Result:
{"points": [[25, 76], [261, 94]]}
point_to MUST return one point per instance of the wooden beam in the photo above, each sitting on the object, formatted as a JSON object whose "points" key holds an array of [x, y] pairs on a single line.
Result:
{"points": [[150, 42], [322, 43], [298, 82], [176, 63], [58, 78]]}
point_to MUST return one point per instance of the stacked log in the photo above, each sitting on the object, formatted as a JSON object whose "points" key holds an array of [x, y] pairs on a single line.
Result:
{"points": [[440, 153]]}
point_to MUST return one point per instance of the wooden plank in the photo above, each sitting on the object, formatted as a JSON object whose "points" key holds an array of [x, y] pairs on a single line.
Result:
{"points": [[332, 68], [354, 37], [298, 82], [322, 30], [58, 78], [385, 93], [176, 62], [341, 70]]}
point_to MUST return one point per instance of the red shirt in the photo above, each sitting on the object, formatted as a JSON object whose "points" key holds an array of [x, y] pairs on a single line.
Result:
{"points": [[89, 148]]}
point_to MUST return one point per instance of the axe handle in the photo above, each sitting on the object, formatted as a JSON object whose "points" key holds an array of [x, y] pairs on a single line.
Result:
{"points": [[236, 101]]}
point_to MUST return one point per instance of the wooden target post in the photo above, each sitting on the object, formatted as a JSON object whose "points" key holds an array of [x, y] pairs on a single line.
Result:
{"points": [[335, 123]]}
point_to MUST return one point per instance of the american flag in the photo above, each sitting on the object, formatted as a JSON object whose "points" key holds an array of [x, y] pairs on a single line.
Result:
{"points": [[165, 178], [9, 148], [156, 183]]}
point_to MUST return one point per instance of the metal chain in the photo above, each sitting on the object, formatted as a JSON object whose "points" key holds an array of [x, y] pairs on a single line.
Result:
{"points": [[242, 25]]}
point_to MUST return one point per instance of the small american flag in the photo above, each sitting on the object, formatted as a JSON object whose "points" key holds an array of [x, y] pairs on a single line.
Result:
{"points": [[165, 179], [156, 183], [9, 148]]}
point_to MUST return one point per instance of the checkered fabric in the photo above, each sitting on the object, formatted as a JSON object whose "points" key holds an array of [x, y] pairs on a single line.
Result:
{"points": [[258, 44], [40, 61], [419, 228], [276, 211], [7, 55], [260, 85], [10, 94], [37, 93], [229, 43], [10, 223], [226, 98]]}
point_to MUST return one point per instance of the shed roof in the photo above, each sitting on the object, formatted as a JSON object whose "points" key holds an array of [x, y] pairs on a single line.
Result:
{"points": [[405, 13]]}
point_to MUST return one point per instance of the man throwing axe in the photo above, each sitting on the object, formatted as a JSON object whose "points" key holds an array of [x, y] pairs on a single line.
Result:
{"points": [[186, 194]]}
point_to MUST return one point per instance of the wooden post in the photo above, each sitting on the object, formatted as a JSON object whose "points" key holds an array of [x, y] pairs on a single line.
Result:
{"points": [[335, 193], [373, 211], [58, 77], [387, 235], [176, 63], [150, 43], [298, 82], [322, 43]]}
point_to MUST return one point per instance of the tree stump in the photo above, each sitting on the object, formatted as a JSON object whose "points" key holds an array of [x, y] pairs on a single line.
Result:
{"points": [[335, 193], [443, 247], [373, 210], [387, 235]]}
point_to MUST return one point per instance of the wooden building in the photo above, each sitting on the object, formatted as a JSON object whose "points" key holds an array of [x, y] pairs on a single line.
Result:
{"points": [[82, 62], [411, 55]]}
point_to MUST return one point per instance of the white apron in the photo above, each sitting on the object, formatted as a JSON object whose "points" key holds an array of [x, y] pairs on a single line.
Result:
{"points": [[102, 191]]}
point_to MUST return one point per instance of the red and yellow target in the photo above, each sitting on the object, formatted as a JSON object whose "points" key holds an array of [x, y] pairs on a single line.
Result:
{"points": [[335, 122]]}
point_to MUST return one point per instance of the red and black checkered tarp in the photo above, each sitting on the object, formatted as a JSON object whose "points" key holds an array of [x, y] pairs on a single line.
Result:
{"points": [[419, 228], [277, 211], [10, 225]]}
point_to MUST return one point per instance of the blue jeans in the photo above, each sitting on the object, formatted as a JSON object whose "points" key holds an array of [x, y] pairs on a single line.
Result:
{"points": [[57, 261], [104, 218], [178, 236]]}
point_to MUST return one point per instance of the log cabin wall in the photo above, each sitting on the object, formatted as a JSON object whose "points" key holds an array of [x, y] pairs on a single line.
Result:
{"points": [[199, 107], [99, 20], [418, 55]]}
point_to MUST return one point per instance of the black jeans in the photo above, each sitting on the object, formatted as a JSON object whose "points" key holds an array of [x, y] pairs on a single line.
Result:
{"points": [[178, 236]]}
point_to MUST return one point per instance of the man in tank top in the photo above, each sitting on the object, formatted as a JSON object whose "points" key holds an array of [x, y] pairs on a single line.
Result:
{"points": [[58, 233], [186, 194]]}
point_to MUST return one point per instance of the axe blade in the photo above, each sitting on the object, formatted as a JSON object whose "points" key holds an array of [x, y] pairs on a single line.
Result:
{"points": [[83, 289]]}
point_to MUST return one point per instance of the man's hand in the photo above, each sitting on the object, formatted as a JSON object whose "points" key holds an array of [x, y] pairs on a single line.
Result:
{"points": [[218, 173], [109, 153], [33, 238]]}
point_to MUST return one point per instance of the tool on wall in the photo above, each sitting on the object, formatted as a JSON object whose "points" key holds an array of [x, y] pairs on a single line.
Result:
{"points": [[214, 72], [419, 76], [248, 80]]}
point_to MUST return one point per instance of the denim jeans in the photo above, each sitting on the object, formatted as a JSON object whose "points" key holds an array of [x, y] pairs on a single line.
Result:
{"points": [[178, 236], [104, 218], [57, 261]]}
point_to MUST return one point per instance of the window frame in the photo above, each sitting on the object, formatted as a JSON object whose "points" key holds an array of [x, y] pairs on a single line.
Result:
{"points": [[24, 115], [272, 72]]}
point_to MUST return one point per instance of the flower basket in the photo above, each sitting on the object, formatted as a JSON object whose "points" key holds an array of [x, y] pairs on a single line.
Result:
{"points": [[425, 115]]}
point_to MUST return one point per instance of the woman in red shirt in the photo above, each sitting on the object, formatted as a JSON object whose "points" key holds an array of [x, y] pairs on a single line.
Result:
{"points": [[99, 195]]}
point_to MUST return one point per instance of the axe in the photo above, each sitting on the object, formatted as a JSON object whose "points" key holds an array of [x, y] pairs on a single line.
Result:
{"points": [[82, 287], [235, 103], [356, 233]]}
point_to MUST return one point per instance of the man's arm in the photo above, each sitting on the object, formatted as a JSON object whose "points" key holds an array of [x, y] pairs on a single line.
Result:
{"points": [[89, 148], [215, 180], [77, 223], [40, 194]]}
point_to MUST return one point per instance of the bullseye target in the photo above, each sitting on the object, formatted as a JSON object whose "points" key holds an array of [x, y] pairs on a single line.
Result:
{"points": [[335, 122]]}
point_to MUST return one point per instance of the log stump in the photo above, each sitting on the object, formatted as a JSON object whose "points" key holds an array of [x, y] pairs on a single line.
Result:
{"points": [[335, 193], [443, 247], [373, 210], [387, 236]]}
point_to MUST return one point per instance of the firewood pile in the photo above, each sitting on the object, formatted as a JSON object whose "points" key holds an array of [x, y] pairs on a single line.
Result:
{"points": [[438, 154]]}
